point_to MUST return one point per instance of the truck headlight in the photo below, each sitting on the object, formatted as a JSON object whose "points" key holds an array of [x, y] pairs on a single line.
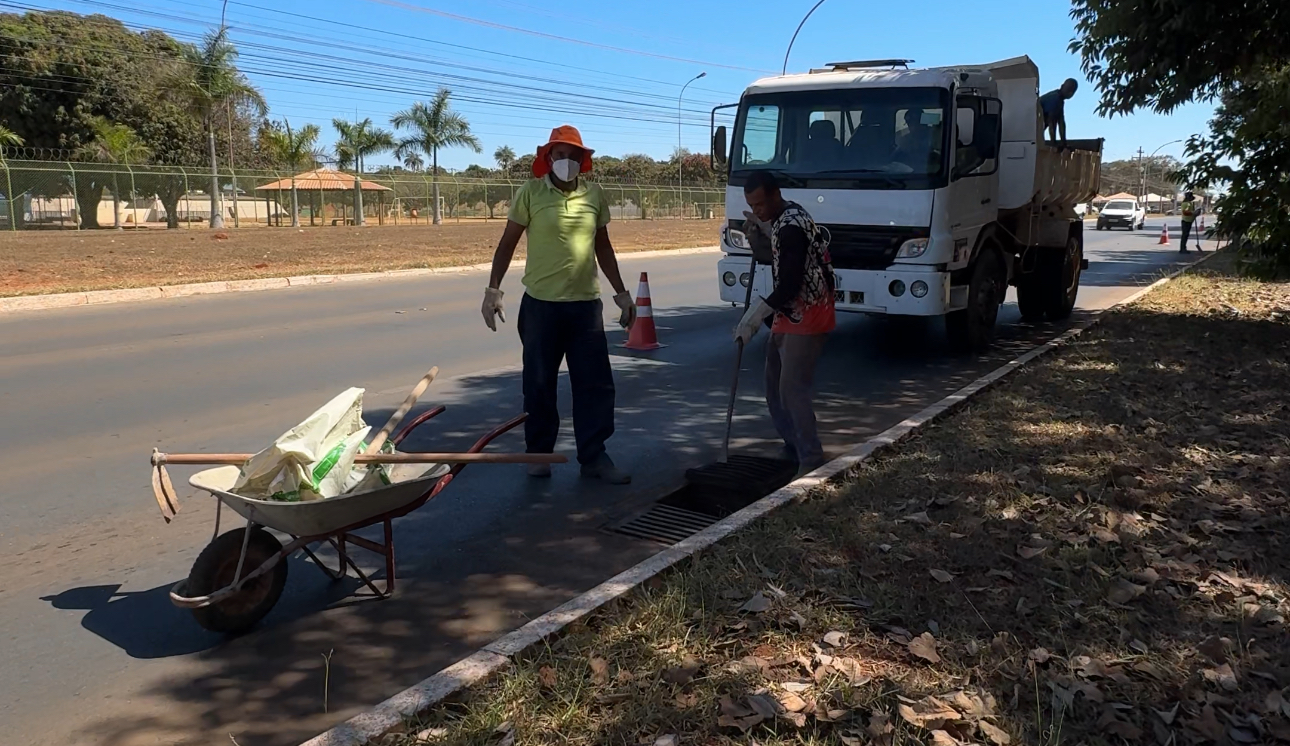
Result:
{"points": [[737, 239], [896, 288], [913, 248], [744, 279], [729, 279], [918, 288]]}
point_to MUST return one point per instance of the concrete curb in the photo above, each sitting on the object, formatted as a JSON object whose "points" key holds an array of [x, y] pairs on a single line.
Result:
{"points": [[130, 295], [390, 715]]}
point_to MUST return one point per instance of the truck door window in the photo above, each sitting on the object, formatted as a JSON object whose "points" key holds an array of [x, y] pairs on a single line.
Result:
{"points": [[968, 159]]}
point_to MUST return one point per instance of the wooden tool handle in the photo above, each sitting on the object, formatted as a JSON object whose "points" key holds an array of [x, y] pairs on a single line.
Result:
{"points": [[237, 459], [402, 411]]}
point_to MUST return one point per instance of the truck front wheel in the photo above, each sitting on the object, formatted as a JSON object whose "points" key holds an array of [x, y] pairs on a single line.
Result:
{"points": [[972, 329]]}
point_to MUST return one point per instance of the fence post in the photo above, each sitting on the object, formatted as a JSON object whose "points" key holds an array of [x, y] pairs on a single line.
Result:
{"points": [[237, 218], [8, 180], [76, 204], [133, 209], [188, 208]]}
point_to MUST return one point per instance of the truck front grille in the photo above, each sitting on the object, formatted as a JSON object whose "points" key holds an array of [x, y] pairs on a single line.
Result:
{"points": [[868, 246], [863, 246]]}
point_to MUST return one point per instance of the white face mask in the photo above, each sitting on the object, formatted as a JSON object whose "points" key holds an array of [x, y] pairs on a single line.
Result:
{"points": [[566, 169]]}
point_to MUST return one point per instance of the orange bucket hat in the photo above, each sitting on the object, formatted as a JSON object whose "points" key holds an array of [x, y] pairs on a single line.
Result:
{"points": [[568, 135]]}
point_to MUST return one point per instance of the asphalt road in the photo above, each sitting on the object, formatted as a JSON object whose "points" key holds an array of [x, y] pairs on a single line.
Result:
{"points": [[93, 651]]}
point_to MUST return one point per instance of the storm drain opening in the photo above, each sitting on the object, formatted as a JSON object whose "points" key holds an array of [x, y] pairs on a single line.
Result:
{"points": [[714, 491], [665, 524]]}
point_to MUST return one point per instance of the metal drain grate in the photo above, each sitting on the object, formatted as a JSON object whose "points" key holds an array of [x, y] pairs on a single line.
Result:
{"points": [[665, 524]]}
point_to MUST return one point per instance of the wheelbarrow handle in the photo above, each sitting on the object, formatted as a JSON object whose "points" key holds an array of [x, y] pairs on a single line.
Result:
{"points": [[237, 459]]}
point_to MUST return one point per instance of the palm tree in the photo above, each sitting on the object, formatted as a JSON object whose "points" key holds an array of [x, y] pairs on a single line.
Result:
{"points": [[296, 149], [505, 158], [8, 139], [117, 144], [433, 126], [210, 81], [357, 141], [413, 161]]}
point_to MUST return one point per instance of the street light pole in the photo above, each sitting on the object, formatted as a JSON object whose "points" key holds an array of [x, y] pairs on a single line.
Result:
{"points": [[1146, 173], [795, 33], [679, 159]]}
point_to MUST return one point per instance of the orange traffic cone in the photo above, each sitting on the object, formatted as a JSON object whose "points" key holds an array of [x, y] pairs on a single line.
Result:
{"points": [[1202, 223], [1164, 236], [643, 335]]}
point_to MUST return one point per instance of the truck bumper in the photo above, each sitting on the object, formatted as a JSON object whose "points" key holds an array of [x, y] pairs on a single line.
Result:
{"points": [[889, 291]]}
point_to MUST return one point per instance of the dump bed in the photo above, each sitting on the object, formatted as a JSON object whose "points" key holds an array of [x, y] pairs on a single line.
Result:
{"points": [[1069, 175]]}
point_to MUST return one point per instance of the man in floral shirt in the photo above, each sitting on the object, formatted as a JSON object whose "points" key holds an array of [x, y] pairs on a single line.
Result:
{"points": [[802, 306]]}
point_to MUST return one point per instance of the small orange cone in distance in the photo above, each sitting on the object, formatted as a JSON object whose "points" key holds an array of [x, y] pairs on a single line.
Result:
{"points": [[643, 335], [1164, 236]]}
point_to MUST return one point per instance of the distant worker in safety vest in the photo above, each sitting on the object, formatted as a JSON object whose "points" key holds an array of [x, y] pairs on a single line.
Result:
{"points": [[1052, 106], [801, 308], [1189, 210], [566, 218]]}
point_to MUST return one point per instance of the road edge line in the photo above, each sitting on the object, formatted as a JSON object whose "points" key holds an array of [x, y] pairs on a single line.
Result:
{"points": [[19, 303], [391, 714]]}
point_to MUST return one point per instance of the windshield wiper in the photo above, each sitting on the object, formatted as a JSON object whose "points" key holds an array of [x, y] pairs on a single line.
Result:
{"points": [[885, 177]]}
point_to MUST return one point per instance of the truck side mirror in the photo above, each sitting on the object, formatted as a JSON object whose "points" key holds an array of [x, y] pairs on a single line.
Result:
{"points": [[986, 136], [719, 147]]}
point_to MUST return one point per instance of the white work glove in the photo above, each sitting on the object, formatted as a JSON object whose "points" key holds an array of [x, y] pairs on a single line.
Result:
{"points": [[493, 307], [754, 317], [625, 304]]}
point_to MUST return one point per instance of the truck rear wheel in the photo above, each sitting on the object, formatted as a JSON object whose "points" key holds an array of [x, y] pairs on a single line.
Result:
{"points": [[972, 329], [1050, 289]]}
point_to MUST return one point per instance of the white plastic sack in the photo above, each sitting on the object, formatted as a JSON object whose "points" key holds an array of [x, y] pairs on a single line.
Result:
{"points": [[313, 460]]}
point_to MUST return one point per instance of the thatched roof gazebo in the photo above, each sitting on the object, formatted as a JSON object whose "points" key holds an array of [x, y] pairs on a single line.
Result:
{"points": [[321, 180]]}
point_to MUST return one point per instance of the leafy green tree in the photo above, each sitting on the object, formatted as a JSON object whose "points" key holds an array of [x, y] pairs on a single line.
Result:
{"points": [[297, 150], [432, 127], [210, 82], [1237, 54]]}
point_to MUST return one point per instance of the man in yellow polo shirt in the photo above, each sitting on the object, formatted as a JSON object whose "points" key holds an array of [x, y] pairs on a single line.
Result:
{"points": [[567, 220]]}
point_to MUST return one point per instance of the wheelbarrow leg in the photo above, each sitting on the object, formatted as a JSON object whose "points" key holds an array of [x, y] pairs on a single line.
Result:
{"points": [[389, 556], [333, 574]]}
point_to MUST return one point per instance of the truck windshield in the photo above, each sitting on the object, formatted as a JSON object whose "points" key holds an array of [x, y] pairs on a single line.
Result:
{"points": [[1120, 205], [888, 138]]}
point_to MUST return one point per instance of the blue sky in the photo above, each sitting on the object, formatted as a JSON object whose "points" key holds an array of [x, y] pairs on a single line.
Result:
{"points": [[614, 69]]}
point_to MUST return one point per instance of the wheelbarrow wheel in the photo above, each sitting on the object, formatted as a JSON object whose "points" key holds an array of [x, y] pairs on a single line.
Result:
{"points": [[216, 567]]}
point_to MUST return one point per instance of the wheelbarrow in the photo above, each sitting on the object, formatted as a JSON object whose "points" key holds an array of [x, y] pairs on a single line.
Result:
{"points": [[240, 575]]}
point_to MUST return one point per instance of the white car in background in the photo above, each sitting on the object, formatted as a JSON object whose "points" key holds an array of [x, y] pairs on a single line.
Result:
{"points": [[1122, 213]]}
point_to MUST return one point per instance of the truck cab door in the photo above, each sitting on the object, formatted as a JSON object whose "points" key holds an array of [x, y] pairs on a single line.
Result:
{"points": [[974, 183]]}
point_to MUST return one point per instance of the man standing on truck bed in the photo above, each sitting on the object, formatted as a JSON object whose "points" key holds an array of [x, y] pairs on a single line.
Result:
{"points": [[802, 305], [567, 221], [1053, 107]]}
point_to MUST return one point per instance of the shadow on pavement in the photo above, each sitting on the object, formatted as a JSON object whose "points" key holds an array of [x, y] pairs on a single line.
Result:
{"points": [[496, 548]]}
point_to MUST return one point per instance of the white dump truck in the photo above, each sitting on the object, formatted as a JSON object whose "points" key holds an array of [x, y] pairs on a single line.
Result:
{"points": [[935, 185]]}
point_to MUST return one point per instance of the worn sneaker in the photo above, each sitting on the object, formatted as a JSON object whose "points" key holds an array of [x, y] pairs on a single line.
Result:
{"points": [[540, 471], [603, 469]]}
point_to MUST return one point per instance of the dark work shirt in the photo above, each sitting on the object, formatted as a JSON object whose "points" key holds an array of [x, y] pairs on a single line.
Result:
{"points": [[793, 249], [1053, 105]]}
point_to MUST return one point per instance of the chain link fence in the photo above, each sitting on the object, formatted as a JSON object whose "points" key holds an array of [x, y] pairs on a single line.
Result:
{"points": [[68, 195]]}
